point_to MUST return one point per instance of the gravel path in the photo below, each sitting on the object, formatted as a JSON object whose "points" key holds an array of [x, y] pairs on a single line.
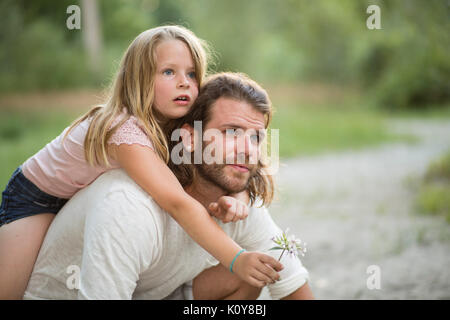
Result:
{"points": [[355, 209]]}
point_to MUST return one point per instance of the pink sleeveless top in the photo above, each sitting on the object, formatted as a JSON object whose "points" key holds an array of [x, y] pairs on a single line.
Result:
{"points": [[60, 168]]}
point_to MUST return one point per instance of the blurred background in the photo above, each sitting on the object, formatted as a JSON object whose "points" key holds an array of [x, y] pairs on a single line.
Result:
{"points": [[345, 97]]}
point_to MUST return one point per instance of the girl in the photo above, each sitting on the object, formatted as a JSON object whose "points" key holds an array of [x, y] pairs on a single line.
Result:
{"points": [[158, 80]]}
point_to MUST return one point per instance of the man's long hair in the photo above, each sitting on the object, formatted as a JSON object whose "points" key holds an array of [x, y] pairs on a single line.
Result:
{"points": [[241, 88]]}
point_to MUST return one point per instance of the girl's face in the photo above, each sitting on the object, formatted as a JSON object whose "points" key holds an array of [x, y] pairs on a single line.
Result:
{"points": [[176, 86]]}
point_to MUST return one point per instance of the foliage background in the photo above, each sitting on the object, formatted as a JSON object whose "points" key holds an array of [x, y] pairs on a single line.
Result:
{"points": [[404, 65], [333, 82]]}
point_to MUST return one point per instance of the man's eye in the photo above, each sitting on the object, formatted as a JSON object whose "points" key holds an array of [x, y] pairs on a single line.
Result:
{"points": [[168, 72], [230, 132], [254, 138]]}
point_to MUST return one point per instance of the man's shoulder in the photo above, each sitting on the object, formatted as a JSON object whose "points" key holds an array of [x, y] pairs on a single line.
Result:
{"points": [[117, 179], [118, 183], [258, 215], [115, 193], [258, 209]]}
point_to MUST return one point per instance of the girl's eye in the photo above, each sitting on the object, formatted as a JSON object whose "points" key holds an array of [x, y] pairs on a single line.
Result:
{"points": [[191, 75], [168, 72]]}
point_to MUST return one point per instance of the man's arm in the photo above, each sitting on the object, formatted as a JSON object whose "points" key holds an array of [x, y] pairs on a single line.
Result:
{"points": [[302, 293], [218, 283]]}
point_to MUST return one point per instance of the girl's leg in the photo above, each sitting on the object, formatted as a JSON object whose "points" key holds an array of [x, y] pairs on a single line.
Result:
{"points": [[20, 242]]}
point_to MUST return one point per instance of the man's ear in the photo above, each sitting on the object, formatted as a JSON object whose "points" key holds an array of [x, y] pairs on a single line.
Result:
{"points": [[187, 137]]}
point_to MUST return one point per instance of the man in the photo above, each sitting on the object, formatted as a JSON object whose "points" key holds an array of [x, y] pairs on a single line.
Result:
{"points": [[112, 241]]}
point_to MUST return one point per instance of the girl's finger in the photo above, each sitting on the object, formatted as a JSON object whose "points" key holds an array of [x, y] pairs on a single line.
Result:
{"points": [[238, 214], [272, 262], [261, 277], [225, 203], [245, 212], [230, 215], [213, 206], [269, 272], [256, 283]]}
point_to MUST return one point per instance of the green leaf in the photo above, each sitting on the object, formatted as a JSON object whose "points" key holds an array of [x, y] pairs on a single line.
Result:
{"points": [[276, 248]]}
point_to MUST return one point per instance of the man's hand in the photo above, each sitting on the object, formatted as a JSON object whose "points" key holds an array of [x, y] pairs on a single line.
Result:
{"points": [[228, 209], [257, 269]]}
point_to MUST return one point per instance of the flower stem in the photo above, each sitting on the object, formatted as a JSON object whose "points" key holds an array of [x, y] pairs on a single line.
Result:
{"points": [[281, 254]]}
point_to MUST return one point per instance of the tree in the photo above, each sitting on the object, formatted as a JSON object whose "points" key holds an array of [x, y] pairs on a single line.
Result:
{"points": [[92, 35]]}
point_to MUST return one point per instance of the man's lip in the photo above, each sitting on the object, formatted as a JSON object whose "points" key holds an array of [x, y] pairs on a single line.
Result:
{"points": [[239, 167]]}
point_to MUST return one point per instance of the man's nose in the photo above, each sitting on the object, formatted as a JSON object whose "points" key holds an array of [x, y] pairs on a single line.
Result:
{"points": [[250, 149]]}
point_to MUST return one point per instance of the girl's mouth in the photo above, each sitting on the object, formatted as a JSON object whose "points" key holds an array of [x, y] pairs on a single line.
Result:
{"points": [[182, 100]]}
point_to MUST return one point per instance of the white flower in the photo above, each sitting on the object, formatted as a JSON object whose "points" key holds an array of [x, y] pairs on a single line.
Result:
{"points": [[292, 245]]}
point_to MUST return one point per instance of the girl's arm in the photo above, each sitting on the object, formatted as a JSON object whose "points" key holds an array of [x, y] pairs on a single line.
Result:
{"points": [[154, 176]]}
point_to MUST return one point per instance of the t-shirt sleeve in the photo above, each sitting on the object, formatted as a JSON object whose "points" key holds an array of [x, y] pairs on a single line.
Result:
{"points": [[118, 246], [255, 234], [130, 132]]}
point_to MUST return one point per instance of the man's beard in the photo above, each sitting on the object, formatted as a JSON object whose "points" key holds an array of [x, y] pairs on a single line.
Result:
{"points": [[215, 174]]}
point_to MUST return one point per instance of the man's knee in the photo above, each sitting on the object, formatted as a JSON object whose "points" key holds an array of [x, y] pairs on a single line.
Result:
{"points": [[246, 292], [219, 283]]}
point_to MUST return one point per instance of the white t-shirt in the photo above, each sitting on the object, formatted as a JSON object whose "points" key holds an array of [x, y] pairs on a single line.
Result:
{"points": [[112, 241]]}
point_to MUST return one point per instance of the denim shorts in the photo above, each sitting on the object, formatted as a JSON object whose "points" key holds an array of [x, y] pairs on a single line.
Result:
{"points": [[22, 198]]}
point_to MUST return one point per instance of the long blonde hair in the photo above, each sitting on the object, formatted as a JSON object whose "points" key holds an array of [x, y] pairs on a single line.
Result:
{"points": [[133, 90]]}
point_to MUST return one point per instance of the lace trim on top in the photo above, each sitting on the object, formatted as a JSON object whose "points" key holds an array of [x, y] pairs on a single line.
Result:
{"points": [[130, 132]]}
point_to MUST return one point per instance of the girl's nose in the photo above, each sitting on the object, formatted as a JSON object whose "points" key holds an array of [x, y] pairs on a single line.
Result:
{"points": [[183, 82]]}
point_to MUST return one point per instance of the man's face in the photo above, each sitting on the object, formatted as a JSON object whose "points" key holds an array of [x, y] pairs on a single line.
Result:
{"points": [[240, 125]]}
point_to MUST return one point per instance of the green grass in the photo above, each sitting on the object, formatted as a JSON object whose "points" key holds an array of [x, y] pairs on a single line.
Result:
{"points": [[23, 133], [434, 193], [318, 129], [429, 112]]}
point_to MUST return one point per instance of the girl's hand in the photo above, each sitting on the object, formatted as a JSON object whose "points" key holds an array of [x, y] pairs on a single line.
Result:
{"points": [[257, 269], [228, 209]]}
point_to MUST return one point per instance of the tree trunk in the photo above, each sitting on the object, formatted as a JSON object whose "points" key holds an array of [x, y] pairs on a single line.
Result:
{"points": [[92, 35]]}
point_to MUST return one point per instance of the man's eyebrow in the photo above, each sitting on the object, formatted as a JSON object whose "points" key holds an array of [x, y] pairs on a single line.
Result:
{"points": [[261, 131], [231, 125], [238, 126]]}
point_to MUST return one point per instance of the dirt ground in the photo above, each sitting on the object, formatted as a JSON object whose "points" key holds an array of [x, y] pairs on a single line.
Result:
{"points": [[356, 209]]}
